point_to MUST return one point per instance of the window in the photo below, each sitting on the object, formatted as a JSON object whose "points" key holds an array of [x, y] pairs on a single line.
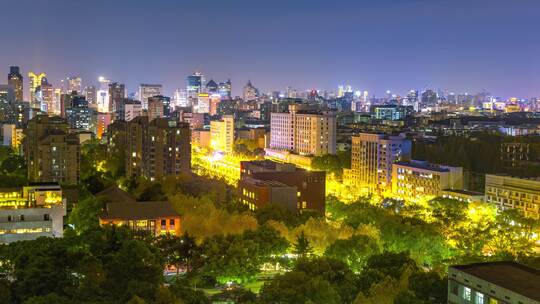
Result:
{"points": [[479, 298], [467, 293], [21, 217], [171, 222], [163, 222], [454, 287], [46, 217]]}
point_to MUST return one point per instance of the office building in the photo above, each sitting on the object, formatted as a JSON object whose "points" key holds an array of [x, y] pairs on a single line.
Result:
{"points": [[391, 112], [203, 103], [222, 134], [117, 94], [225, 89], [46, 92], [32, 211], [372, 157], [7, 98], [74, 84], [102, 95], [78, 114], [34, 81], [16, 81], [212, 87], [303, 130], [310, 185], [250, 93], [154, 149], [419, 179], [146, 91], [52, 154], [493, 283], [155, 217], [194, 85], [514, 193], [90, 94]]}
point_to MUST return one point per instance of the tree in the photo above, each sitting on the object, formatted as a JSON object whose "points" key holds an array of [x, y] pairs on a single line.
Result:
{"points": [[302, 246], [298, 287], [354, 251], [178, 251]]}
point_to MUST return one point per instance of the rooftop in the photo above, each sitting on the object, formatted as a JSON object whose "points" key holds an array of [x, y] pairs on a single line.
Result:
{"points": [[139, 210], [424, 165], [512, 276]]}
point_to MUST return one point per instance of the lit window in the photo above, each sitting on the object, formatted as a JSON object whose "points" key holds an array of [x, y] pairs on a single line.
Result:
{"points": [[479, 298], [467, 293]]}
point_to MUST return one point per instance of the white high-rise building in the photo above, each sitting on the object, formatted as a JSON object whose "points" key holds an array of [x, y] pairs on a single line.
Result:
{"points": [[102, 95], [146, 91], [304, 131]]}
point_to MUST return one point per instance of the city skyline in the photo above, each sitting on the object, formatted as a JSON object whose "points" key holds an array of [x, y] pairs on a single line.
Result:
{"points": [[388, 45]]}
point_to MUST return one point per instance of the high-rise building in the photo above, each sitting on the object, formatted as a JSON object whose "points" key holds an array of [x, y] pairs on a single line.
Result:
{"points": [[7, 98], [130, 109], [30, 212], [90, 94], [420, 180], [47, 98], [494, 283], [195, 84], [148, 90], [35, 81], [180, 99], [304, 130], [310, 186], [117, 94], [156, 108], [52, 154], [212, 87], [203, 103], [225, 90], [79, 115], [372, 157], [429, 98], [391, 112], [103, 95], [15, 79], [250, 92], [507, 192], [154, 149], [222, 134], [74, 84]]}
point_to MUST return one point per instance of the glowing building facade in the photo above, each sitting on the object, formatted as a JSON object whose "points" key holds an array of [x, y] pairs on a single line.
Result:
{"points": [[30, 212], [372, 157], [222, 134]]}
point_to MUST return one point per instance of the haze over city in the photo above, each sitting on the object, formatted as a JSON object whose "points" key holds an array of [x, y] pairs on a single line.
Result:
{"points": [[462, 46]]}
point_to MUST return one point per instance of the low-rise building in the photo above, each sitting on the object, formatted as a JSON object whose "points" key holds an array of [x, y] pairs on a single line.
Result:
{"points": [[514, 193], [31, 211], [155, 217], [493, 283], [260, 193], [419, 179], [310, 185]]}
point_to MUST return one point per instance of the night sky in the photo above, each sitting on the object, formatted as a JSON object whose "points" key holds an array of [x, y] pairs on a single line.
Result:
{"points": [[462, 46]]}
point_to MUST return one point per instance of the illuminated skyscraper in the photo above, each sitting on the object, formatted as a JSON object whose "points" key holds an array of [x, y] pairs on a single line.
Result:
{"points": [[212, 87], [103, 95], [203, 103], [194, 84], [117, 93], [146, 91], [225, 89], [180, 98], [15, 79], [74, 83], [90, 94], [250, 92], [34, 82]]}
